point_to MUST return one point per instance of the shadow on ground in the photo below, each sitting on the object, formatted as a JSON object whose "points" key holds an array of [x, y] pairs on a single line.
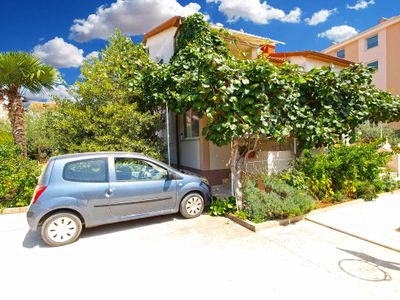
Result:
{"points": [[33, 239], [366, 267]]}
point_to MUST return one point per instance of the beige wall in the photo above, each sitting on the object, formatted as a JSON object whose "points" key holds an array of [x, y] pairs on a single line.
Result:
{"points": [[393, 57], [377, 53], [387, 53], [351, 51]]}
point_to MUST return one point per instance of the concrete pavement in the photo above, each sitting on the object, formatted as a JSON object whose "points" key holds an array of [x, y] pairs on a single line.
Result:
{"points": [[204, 258], [376, 221]]}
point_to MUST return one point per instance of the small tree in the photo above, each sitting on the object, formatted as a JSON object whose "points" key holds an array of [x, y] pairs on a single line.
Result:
{"points": [[110, 112], [21, 71]]}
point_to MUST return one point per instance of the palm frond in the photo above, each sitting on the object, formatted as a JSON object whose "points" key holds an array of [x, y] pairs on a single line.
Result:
{"points": [[24, 70]]}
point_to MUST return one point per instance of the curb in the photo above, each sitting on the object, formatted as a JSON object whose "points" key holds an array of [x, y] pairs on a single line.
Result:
{"points": [[275, 223], [14, 210], [260, 226], [353, 235]]}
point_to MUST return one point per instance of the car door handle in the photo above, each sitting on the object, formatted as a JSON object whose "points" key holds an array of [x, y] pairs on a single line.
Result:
{"points": [[109, 192]]}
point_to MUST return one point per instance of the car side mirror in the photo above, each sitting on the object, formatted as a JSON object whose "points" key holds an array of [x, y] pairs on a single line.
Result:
{"points": [[172, 176]]}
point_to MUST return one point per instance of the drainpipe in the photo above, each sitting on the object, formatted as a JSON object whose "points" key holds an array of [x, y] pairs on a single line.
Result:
{"points": [[168, 145]]}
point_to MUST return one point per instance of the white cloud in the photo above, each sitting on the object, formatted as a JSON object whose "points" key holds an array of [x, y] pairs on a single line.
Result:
{"points": [[93, 54], [58, 91], [59, 53], [293, 16], [361, 4], [320, 16], [338, 33], [255, 11], [133, 17]]}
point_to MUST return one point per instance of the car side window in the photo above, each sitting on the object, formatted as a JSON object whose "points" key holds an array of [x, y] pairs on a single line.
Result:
{"points": [[87, 170], [133, 169]]}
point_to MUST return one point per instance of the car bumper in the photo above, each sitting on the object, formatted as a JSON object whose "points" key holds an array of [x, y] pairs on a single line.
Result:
{"points": [[34, 215], [207, 194]]}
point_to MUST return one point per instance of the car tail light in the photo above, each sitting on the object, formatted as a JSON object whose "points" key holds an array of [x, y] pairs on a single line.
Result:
{"points": [[38, 191]]}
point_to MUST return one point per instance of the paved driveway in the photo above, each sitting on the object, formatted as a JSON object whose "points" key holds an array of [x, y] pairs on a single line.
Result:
{"points": [[204, 258], [377, 221]]}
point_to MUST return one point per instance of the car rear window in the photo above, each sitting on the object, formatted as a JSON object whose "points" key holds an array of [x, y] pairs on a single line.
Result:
{"points": [[88, 170]]}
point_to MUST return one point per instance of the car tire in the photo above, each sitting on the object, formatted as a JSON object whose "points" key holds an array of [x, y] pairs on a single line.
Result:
{"points": [[61, 229], [192, 205]]}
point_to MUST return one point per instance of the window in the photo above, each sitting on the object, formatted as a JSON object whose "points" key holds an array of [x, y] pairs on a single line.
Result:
{"points": [[89, 170], [374, 64], [341, 53], [190, 124], [133, 169], [372, 42]]}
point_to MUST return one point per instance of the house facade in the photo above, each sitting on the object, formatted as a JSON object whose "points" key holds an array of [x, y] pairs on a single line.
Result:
{"points": [[377, 47], [189, 150]]}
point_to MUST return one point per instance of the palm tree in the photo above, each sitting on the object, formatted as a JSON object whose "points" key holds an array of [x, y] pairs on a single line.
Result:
{"points": [[20, 72]]}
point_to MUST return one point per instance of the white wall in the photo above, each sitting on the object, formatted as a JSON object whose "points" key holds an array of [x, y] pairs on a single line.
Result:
{"points": [[189, 150], [219, 157], [161, 45], [270, 161], [307, 63]]}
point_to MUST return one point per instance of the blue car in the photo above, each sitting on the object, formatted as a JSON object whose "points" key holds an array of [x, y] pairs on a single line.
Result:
{"points": [[92, 189]]}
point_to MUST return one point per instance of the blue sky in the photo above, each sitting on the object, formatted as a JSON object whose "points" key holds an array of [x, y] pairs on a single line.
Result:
{"points": [[63, 33]]}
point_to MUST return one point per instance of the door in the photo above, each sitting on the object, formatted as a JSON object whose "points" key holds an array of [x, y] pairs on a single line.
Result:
{"points": [[140, 187], [88, 179]]}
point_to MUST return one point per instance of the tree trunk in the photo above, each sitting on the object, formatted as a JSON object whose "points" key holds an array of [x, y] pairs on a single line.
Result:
{"points": [[236, 173], [16, 115]]}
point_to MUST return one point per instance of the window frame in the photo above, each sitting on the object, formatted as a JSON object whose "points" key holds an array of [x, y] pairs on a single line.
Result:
{"points": [[339, 51], [104, 159], [373, 62], [371, 37], [137, 180], [185, 137]]}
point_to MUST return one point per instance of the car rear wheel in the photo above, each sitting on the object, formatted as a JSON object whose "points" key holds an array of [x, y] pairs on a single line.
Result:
{"points": [[192, 205], [61, 229]]}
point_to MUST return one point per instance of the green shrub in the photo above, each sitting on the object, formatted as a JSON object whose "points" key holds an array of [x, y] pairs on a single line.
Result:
{"points": [[373, 132], [5, 131], [366, 190], [344, 172], [40, 136], [278, 201], [386, 183], [17, 177], [222, 206]]}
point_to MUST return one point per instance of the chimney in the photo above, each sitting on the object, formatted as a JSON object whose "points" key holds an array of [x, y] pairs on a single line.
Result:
{"points": [[268, 49], [381, 20]]}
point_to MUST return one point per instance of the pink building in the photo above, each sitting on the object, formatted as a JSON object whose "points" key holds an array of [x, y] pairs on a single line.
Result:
{"points": [[377, 47]]}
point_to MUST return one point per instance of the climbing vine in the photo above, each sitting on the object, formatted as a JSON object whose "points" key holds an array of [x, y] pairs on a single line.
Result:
{"points": [[245, 100]]}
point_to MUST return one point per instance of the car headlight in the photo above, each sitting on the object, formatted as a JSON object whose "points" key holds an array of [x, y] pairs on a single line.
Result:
{"points": [[205, 181]]}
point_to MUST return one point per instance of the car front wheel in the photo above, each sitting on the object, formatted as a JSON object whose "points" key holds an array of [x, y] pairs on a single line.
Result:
{"points": [[192, 205], [61, 229]]}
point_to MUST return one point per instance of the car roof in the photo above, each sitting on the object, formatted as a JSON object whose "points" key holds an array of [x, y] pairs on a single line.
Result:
{"points": [[96, 154]]}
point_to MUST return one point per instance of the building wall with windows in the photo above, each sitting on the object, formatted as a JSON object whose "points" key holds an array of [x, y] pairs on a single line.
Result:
{"points": [[379, 47]]}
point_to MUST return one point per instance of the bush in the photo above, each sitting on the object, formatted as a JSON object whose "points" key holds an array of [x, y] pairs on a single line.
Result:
{"points": [[40, 135], [17, 177], [222, 206], [278, 201], [372, 132], [346, 171]]}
